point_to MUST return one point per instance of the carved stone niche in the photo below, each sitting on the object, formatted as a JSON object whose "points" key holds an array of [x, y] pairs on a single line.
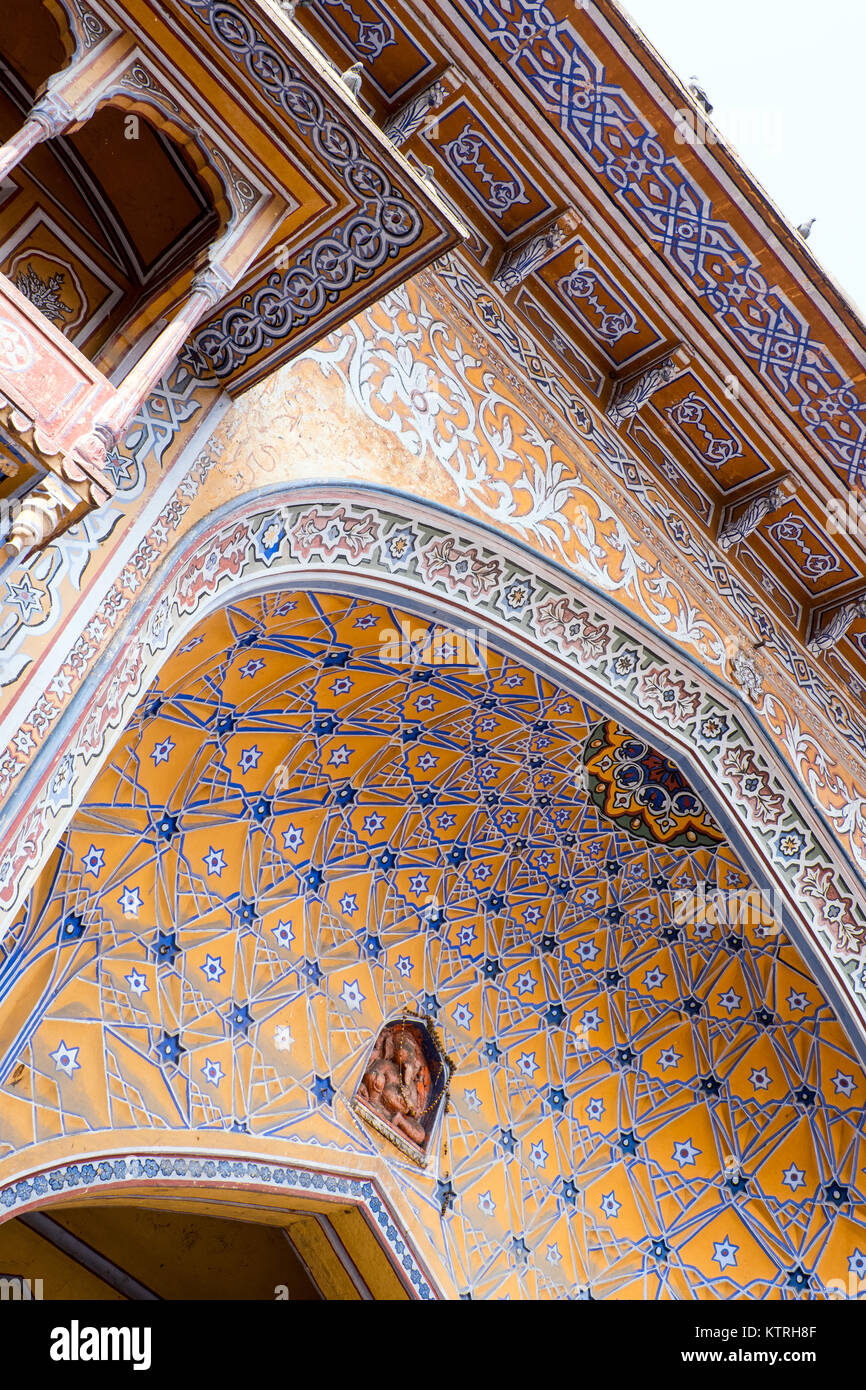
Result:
{"points": [[403, 1087]]}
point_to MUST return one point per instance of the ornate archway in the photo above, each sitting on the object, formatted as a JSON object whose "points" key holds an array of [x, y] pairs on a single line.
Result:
{"points": [[710, 1026], [422, 557]]}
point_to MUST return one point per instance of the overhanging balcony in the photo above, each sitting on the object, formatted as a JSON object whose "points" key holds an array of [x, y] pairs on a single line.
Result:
{"points": [[317, 214], [51, 396]]}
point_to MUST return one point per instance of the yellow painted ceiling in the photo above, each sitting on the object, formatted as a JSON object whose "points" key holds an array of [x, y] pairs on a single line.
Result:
{"points": [[307, 828]]}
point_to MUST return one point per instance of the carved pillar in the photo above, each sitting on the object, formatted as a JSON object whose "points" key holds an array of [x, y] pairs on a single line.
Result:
{"points": [[49, 117], [834, 630], [752, 515], [43, 514], [229, 259], [208, 288], [70, 96], [50, 508]]}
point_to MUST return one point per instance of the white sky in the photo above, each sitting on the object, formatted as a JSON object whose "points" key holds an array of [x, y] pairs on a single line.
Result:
{"points": [[787, 80]]}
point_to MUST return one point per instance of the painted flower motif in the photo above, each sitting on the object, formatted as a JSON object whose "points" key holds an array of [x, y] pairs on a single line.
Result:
{"points": [[791, 844], [61, 784], [753, 785], [398, 548], [267, 539], [624, 664], [667, 697], [834, 912], [328, 534], [574, 631], [158, 625], [713, 728], [517, 595], [459, 568]]}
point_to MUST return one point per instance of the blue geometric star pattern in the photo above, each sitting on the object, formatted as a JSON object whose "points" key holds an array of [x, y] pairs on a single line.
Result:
{"points": [[643, 1105]]}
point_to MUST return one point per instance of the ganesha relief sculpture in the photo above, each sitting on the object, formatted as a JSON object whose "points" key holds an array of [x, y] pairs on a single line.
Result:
{"points": [[403, 1086]]}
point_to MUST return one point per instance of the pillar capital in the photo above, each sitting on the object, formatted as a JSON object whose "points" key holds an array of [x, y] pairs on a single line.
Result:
{"points": [[213, 281], [53, 113]]}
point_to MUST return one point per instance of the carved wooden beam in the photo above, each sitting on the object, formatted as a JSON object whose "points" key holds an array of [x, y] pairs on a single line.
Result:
{"points": [[630, 395], [415, 114], [835, 628], [737, 529], [532, 253]]}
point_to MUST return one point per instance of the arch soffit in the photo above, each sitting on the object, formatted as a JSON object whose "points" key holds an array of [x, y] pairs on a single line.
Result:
{"points": [[362, 540]]}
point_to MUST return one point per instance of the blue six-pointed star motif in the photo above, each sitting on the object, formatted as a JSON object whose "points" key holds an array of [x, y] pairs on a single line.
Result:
{"points": [[131, 901], [65, 1058], [94, 861], [213, 968]]}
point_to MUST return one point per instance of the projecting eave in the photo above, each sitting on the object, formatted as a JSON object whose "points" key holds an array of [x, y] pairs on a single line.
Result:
{"points": [[766, 214]]}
